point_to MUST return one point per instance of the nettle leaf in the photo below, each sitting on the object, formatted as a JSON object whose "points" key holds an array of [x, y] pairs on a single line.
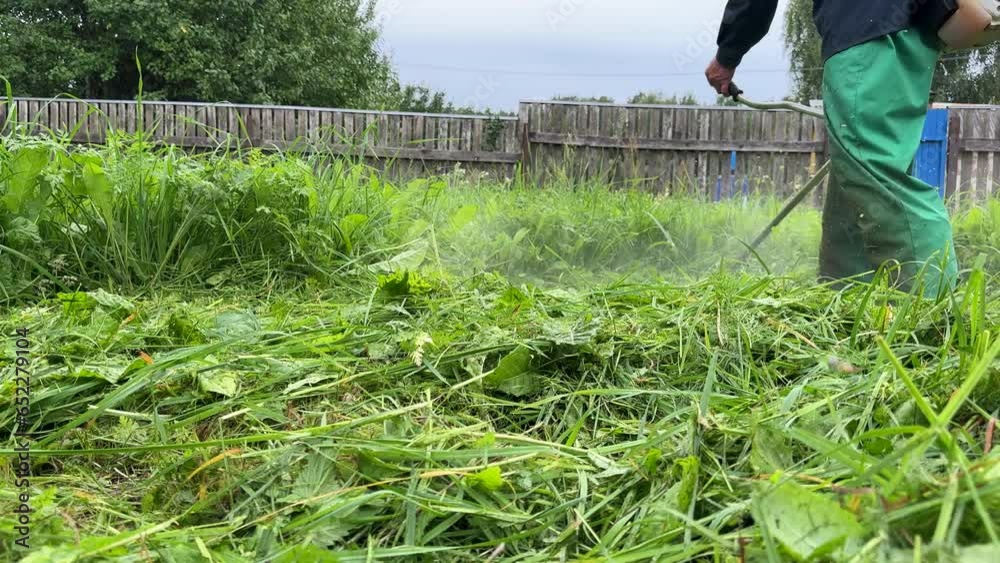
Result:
{"points": [[571, 332], [808, 525], [317, 478], [235, 323], [112, 302], [514, 375], [23, 232], [769, 452], [223, 383]]}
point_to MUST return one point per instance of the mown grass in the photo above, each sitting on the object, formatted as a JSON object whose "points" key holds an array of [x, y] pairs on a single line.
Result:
{"points": [[263, 357]]}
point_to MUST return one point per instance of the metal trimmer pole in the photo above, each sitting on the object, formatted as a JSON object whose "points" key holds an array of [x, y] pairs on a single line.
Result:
{"points": [[799, 197], [813, 182]]}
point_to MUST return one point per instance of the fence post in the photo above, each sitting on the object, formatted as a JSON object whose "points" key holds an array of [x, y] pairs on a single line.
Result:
{"points": [[954, 153], [523, 118]]}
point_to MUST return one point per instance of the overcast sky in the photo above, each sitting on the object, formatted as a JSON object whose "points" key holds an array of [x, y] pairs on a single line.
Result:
{"points": [[493, 53]]}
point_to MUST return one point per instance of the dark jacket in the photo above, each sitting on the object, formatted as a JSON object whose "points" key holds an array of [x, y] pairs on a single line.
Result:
{"points": [[842, 24]]}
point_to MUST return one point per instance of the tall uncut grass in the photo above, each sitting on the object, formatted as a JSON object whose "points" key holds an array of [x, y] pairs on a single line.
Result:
{"points": [[243, 356]]}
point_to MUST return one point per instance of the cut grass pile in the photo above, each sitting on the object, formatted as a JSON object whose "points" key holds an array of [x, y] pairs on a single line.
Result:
{"points": [[284, 359]]}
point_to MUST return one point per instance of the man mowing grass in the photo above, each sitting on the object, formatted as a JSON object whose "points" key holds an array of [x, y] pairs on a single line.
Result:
{"points": [[879, 62]]}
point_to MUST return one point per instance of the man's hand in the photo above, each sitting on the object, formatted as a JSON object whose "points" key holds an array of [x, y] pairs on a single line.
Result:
{"points": [[719, 76]]}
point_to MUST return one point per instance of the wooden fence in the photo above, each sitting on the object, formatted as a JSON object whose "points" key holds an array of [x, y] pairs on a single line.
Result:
{"points": [[713, 151], [973, 153], [427, 142], [703, 149]]}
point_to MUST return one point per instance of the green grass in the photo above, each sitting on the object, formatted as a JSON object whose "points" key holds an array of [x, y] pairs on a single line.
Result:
{"points": [[340, 367]]}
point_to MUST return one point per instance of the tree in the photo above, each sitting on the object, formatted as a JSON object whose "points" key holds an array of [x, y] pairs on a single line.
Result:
{"points": [[968, 77], [303, 52], [418, 99], [971, 77], [802, 42]]}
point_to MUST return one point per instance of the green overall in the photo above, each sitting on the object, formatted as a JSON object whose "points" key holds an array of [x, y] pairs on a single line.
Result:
{"points": [[875, 97]]}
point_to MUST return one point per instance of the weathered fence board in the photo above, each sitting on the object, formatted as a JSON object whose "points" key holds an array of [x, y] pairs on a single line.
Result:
{"points": [[974, 142]]}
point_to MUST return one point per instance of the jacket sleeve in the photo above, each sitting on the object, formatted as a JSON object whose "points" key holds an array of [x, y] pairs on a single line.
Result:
{"points": [[744, 24]]}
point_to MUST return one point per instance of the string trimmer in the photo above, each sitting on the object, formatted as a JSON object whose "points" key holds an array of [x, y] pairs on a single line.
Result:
{"points": [[813, 182], [975, 23]]}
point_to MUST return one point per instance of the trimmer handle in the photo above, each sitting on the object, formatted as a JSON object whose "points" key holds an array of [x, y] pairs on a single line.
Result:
{"points": [[735, 92]]}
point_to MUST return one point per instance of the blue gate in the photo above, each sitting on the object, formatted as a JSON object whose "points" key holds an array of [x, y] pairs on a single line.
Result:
{"points": [[931, 163]]}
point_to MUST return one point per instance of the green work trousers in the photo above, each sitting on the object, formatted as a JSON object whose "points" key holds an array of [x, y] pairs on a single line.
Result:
{"points": [[875, 96]]}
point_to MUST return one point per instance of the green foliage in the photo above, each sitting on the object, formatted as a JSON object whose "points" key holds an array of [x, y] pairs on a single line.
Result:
{"points": [[808, 525], [302, 52], [964, 77], [971, 77], [803, 45], [489, 479], [513, 374], [568, 418], [659, 98], [420, 99]]}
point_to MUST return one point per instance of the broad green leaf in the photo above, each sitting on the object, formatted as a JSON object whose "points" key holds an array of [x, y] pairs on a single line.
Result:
{"points": [[234, 323], [409, 259], [77, 305], [183, 329], [317, 478], [461, 218], [112, 373], [489, 479], [808, 525], [519, 236], [98, 187], [25, 192], [513, 375], [23, 232], [219, 382], [513, 298], [572, 332], [969, 554], [50, 554], [348, 226], [111, 301], [769, 453]]}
